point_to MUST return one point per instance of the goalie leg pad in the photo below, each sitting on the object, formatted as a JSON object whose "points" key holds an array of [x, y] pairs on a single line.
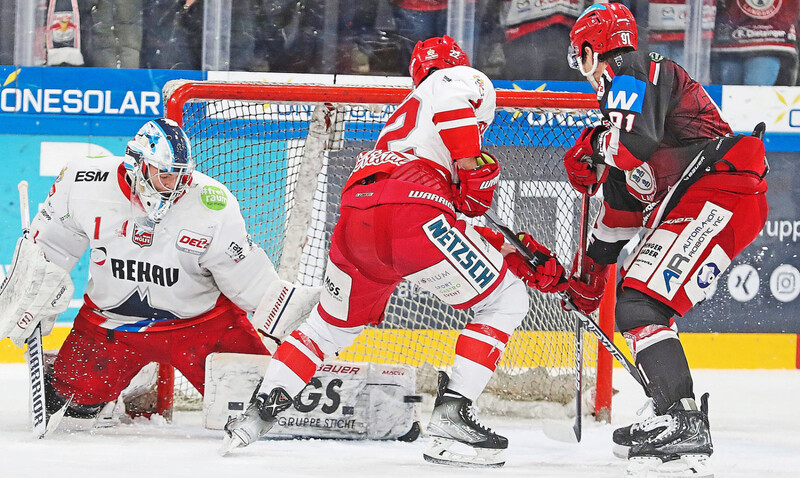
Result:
{"points": [[35, 290], [345, 400]]}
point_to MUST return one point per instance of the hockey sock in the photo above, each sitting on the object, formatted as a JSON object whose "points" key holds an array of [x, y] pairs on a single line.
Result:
{"points": [[664, 367], [293, 364], [478, 349]]}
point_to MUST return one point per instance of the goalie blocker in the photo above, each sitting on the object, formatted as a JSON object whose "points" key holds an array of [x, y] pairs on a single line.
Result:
{"points": [[344, 400]]}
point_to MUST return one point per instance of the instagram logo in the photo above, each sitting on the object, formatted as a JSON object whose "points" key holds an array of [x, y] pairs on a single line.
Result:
{"points": [[785, 283]]}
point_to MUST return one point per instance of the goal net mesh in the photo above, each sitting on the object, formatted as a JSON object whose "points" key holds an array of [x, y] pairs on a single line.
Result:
{"points": [[287, 161]]}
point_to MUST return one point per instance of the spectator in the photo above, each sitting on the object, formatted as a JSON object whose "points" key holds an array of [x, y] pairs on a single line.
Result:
{"points": [[7, 14], [668, 21], [112, 32], [173, 35], [417, 20], [62, 37], [755, 43], [537, 38]]}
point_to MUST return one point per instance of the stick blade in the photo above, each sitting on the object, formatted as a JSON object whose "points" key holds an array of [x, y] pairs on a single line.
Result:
{"points": [[560, 430], [55, 419]]}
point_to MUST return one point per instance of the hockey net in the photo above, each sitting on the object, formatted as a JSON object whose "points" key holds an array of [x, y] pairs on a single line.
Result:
{"points": [[285, 151]]}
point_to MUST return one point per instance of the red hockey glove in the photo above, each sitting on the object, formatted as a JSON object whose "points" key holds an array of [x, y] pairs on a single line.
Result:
{"points": [[494, 238], [587, 292], [583, 176], [474, 195], [547, 276]]}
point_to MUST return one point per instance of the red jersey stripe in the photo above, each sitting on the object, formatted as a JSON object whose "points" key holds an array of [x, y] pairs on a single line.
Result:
{"points": [[453, 115]]}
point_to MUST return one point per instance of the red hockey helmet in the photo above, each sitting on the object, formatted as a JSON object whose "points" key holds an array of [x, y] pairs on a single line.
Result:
{"points": [[438, 52], [605, 27]]}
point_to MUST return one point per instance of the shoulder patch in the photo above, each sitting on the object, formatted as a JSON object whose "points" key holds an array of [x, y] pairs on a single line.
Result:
{"points": [[656, 57], [626, 93], [214, 198]]}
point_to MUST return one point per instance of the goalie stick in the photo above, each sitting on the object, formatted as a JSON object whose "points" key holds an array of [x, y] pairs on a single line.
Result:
{"points": [[587, 321], [42, 423]]}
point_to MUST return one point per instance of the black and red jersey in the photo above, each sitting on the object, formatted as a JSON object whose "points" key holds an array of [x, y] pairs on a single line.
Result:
{"points": [[658, 119]]}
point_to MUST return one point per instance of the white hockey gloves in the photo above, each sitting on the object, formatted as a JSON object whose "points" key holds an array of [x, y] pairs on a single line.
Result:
{"points": [[284, 307], [34, 291]]}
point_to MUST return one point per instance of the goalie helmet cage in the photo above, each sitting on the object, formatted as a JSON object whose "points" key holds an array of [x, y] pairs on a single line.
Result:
{"points": [[285, 151]]}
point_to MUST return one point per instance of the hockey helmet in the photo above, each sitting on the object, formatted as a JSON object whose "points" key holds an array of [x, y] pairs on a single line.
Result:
{"points": [[161, 167], [604, 27], [438, 52]]}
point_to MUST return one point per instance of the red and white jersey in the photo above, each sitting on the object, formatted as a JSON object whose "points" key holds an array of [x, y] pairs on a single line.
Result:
{"points": [[199, 255], [442, 120]]}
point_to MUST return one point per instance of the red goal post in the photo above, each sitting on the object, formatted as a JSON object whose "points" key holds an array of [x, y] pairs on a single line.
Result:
{"points": [[285, 149]]}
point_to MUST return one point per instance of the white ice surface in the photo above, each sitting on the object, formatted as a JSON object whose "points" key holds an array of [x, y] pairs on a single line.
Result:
{"points": [[755, 420]]}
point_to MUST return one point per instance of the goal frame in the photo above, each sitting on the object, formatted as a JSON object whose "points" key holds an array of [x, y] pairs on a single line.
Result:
{"points": [[320, 94]]}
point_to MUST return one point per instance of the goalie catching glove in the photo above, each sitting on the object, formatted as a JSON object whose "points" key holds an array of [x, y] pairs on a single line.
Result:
{"points": [[34, 291], [546, 276], [283, 308], [474, 195], [584, 176]]}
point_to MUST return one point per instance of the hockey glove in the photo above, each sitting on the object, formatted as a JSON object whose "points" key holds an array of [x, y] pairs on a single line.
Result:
{"points": [[586, 292], [474, 195], [582, 174], [546, 277]]}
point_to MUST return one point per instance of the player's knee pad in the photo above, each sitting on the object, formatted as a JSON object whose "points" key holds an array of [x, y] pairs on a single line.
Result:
{"points": [[505, 307], [635, 309], [329, 338]]}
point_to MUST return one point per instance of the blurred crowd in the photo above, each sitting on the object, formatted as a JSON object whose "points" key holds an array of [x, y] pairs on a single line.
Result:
{"points": [[751, 42]]}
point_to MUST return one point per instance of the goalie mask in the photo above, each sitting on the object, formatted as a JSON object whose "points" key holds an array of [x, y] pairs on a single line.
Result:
{"points": [[160, 170]]}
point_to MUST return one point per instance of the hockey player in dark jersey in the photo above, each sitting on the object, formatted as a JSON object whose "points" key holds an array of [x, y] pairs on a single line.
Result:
{"points": [[672, 172]]}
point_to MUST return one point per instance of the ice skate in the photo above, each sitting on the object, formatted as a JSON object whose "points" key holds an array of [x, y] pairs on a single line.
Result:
{"points": [[457, 437], [676, 444], [625, 437], [256, 421]]}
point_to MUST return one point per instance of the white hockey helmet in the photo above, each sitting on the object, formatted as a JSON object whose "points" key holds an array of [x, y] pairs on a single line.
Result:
{"points": [[161, 169]]}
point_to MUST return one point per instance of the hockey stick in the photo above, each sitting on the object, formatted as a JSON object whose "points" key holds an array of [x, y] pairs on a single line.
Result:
{"points": [[587, 321], [577, 427], [41, 422], [34, 352]]}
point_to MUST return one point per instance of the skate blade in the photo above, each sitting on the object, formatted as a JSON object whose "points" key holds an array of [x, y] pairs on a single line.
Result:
{"points": [[444, 451], [229, 444], [686, 466], [620, 451]]}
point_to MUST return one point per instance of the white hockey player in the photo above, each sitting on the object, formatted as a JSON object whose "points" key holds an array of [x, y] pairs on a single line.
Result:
{"points": [[398, 221], [173, 272]]}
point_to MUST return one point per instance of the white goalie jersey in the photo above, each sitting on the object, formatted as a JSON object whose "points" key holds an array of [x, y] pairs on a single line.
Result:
{"points": [[197, 257]]}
